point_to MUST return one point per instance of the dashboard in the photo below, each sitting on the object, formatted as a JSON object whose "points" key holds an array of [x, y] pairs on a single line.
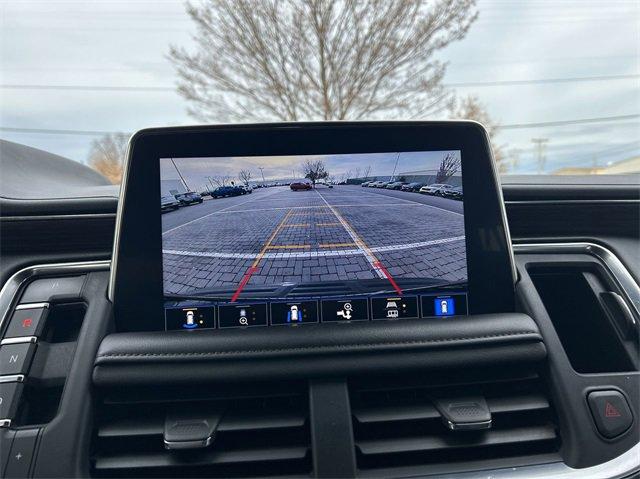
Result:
{"points": [[261, 316]]}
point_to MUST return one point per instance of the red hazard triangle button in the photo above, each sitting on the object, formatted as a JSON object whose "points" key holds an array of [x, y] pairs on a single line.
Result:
{"points": [[611, 411]]}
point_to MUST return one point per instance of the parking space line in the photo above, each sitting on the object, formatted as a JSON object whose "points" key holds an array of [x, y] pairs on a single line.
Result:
{"points": [[415, 202], [219, 211], [368, 254], [289, 246], [342, 252], [254, 266], [336, 245], [297, 225]]}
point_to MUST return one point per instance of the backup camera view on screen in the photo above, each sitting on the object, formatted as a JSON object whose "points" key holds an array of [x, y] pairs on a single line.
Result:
{"points": [[259, 241]]}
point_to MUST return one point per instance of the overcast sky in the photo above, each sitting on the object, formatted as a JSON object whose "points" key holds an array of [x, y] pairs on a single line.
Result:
{"points": [[196, 170], [125, 43]]}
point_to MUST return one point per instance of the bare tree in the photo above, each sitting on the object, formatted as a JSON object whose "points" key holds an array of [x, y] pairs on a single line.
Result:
{"points": [[449, 166], [318, 59], [314, 170], [220, 180], [357, 172], [367, 172], [107, 155], [470, 108], [245, 176]]}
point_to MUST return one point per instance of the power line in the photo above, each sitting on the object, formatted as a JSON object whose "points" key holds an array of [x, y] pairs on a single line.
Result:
{"points": [[541, 81], [580, 121], [602, 119], [132, 88]]}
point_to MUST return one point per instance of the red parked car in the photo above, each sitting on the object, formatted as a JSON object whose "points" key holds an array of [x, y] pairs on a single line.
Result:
{"points": [[300, 185]]}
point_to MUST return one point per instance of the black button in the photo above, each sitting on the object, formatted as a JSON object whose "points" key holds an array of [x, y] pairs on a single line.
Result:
{"points": [[242, 315], [399, 307], [9, 397], [21, 455], [26, 322], [190, 318], [49, 289], [16, 358], [345, 310], [611, 412], [294, 312]]}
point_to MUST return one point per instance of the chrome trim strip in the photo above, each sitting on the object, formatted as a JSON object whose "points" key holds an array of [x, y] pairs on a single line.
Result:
{"points": [[79, 216], [13, 284], [31, 306], [116, 236], [14, 378], [182, 445], [5, 423], [620, 467], [620, 273], [569, 202], [20, 340]]}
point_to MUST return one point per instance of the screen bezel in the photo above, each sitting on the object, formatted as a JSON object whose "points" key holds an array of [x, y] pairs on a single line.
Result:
{"points": [[136, 281]]}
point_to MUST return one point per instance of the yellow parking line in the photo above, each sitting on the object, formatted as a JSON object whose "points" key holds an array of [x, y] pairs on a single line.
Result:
{"points": [[297, 225], [289, 246], [328, 224], [271, 238], [314, 212], [336, 245]]}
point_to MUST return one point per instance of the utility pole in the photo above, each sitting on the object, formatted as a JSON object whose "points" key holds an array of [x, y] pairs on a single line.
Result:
{"points": [[262, 173], [393, 175], [541, 146], [180, 175]]}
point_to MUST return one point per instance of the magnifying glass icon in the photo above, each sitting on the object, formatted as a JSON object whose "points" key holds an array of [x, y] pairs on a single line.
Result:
{"points": [[244, 321]]}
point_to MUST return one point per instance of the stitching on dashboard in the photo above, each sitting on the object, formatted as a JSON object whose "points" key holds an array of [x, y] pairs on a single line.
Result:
{"points": [[311, 348]]}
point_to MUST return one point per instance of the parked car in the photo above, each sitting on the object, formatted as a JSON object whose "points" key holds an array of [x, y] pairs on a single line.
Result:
{"points": [[454, 193], [366, 183], [395, 185], [247, 188], [412, 186], [300, 186], [223, 191], [188, 198], [434, 188], [168, 203], [382, 184]]}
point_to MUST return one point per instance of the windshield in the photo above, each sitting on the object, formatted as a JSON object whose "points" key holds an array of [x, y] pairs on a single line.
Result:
{"points": [[555, 83]]}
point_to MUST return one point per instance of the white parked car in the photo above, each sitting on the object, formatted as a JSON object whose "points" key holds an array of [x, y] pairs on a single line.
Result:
{"points": [[435, 188]]}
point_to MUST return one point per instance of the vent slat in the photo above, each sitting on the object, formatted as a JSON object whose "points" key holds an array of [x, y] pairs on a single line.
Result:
{"points": [[257, 436], [166, 459], [238, 422], [400, 413], [431, 443], [530, 402], [131, 428], [398, 425]]}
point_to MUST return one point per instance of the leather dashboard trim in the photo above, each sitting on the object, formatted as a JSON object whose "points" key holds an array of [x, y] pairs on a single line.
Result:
{"points": [[317, 350]]}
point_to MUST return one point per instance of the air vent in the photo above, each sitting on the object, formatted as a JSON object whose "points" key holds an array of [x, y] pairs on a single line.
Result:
{"points": [[257, 436], [396, 427]]}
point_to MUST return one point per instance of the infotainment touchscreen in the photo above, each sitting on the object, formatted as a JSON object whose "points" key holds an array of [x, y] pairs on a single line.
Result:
{"points": [[266, 241]]}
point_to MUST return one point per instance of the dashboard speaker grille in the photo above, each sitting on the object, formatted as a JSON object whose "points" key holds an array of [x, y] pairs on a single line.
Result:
{"points": [[257, 436], [400, 426]]}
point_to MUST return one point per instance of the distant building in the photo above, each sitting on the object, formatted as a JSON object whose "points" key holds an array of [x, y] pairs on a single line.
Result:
{"points": [[171, 187], [428, 177], [622, 167]]}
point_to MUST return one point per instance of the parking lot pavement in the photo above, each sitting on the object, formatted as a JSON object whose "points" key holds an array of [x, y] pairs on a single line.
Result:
{"points": [[277, 236]]}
